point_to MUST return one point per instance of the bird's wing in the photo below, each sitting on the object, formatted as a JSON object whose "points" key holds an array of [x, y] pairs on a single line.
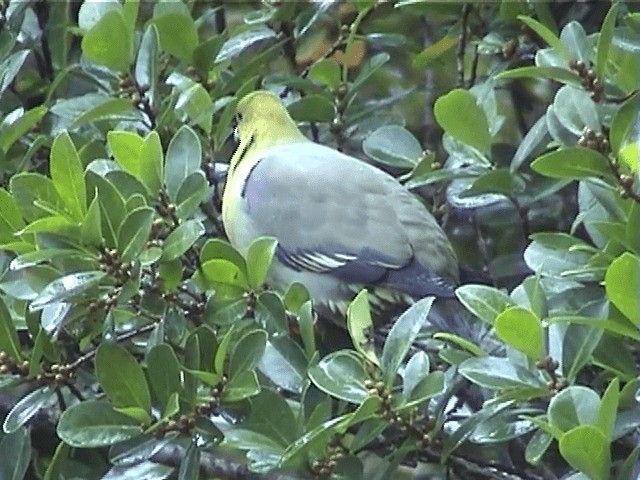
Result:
{"points": [[336, 215]]}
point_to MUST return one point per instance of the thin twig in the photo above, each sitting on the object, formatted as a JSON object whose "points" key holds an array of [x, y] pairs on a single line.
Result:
{"points": [[462, 43], [119, 339]]}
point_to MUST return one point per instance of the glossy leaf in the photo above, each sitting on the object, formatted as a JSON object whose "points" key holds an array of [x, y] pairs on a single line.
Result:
{"points": [[122, 378], [341, 374], [572, 407], [604, 40], [248, 352], [585, 448], [16, 453], [259, 257], [360, 326], [66, 287], [177, 34], [26, 408], [108, 42], [67, 174], [393, 145], [498, 374], [325, 72], [184, 156], [521, 329], [401, 336], [574, 163], [181, 239], [9, 341], [94, 423], [134, 233], [163, 371], [447, 112], [622, 284], [312, 108], [483, 301]]}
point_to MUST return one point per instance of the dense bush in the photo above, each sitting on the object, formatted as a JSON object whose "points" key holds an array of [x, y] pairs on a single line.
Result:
{"points": [[136, 343]]}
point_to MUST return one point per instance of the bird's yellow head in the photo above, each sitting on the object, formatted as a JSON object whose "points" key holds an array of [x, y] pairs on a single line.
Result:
{"points": [[262, 122]]}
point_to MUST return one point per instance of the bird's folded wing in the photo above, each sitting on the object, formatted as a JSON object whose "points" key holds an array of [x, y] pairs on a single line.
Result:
{"points": [[334, 214]]}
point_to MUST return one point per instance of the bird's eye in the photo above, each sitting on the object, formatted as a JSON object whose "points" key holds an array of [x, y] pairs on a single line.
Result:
{"points": [[238, 117]]}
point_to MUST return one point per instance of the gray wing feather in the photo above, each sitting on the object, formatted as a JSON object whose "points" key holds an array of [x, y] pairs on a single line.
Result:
{"points": [[334, 214]]}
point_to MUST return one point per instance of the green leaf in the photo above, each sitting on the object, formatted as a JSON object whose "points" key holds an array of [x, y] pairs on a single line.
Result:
{"points": [[575, 39], [295, 297], [573, 406], [190, 464], [91, 230], [151, 162], [626, 470], [100, 107], [272, 416], [312, 108], [325, 72], [12, 129], [10, 67], [285, 364], [393, 145], [467, 427], [622, 284], [215, 248], [109, 42], [559, 74], [11, 220], [370, 67], [623, 124], [220, 357], [178, 34], [497, 373], [26, 408], [163, 371], [125, 147], [547, 35], [604, 41], [67, 174], [32, 191], [499, 181], [586, 449], [225, 123], [94, 423], [193, 192], [574, 163], [145, 469], [134, 233], [16, 454], [360, 327], [66, 287], [578, 346], [447, 111], [247, 352], [538, 446], [184, 157], [483, 301], [244, 40], [609, 409], [182, 239], [521, 329], [219, 273], [437, 49], [9, 341], [401, 336], [122, 378], [241, 386], [259, 257], [341, 374]]}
